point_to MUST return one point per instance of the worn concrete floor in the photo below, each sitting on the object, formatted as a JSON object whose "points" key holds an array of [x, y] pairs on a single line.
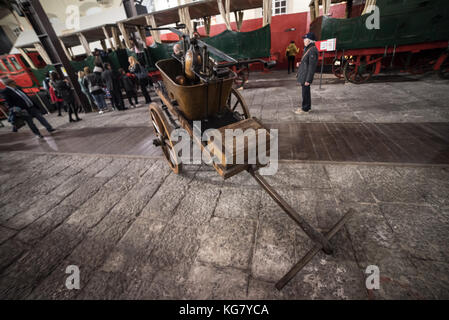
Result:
{"points": [[137, 231]]}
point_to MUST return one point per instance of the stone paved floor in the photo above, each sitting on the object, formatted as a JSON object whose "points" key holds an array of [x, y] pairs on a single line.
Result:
{"points": [[137, 231]]}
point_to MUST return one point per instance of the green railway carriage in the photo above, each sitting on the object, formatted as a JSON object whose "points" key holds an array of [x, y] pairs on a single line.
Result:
{"points": [[412, 36]]}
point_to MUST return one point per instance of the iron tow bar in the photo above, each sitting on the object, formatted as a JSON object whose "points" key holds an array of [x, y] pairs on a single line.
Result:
{"points": [[321, 241], [309, 256], [311, 232]]}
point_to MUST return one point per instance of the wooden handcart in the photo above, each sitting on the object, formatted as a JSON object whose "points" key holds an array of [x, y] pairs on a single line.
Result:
{"points": [[213, 101]]}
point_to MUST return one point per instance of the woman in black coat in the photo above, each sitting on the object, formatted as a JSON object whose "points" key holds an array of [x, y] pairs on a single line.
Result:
{"points": [[142, 77], [64, 90]]}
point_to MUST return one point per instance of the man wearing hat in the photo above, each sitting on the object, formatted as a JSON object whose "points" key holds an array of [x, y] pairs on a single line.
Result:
{"points": [[307, 71]]}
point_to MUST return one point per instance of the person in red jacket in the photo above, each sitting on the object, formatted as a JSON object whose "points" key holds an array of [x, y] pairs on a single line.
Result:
{"points": [[55, 99]]}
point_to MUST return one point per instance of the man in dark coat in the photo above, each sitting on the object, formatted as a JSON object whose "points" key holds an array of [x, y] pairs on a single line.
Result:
{"points": [[111, 79], [307, 71], [19, 102]]}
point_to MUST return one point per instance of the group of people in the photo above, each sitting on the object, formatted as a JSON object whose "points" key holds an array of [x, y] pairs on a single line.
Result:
{"points": [[103, 81], [306, 70], [62, 95]]}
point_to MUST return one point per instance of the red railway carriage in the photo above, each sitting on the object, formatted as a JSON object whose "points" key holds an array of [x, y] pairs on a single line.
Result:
{"points": [[14, 66], [411, 36]]}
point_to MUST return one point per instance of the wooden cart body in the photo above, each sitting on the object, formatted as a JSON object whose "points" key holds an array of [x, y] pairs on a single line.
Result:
{"points": [[181, 105], [197, 101]]}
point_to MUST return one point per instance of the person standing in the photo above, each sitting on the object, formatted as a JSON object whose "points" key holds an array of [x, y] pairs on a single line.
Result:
{"points": [[142, 77], [55, 99], [46, 84], [291, 53], [93, 82], [19, 102], [306, 72], [86, 92], [112, 81], [129, 84], [64, 90]]}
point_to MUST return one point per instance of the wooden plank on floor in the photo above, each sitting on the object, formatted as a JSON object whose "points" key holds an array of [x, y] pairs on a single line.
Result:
{"points": [[431, 146], [317, 132], [356, 141], [340, 143], [381, 149], [398, 140]]}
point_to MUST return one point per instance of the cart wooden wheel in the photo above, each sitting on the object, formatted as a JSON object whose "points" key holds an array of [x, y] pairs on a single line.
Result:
{"points": [[357, 71], [163, 129], [337, 67], [237, 105]]}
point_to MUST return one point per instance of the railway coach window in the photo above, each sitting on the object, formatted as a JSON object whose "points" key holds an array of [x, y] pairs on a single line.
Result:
{"points": [[2, 68], [16, 63], [8, 65]]}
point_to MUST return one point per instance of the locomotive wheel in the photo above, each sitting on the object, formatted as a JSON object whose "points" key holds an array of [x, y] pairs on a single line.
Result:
{"points": [[237, 105], [337, 67], [242, 78], [444, 69], [358, 73], [163, 130]]}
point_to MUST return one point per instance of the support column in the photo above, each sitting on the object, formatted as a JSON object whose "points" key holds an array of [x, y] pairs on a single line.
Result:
{"points": [[84, 43], [107, 37], [317, 8], [224, 13], [142, 35], [116, 37], [125, 34], [71, 53], [50, 46], [312, 12], [103, 45], [207, 23], [42, 53], [326, 7], [267, 11], [228, 12], [348, 9], [239, 19], [184, 17], [368, 5], [27, 58], [65, 49], [152, 23]]}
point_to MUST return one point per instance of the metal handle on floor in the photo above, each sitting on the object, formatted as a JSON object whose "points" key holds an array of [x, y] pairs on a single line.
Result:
{"points": [[306, 259], [311, 232]]}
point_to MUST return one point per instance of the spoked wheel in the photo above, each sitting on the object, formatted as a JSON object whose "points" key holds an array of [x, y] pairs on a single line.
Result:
{"points": [[337, 67], [163, 130], [242, 78], [237, 105], [444, 69], [358, 71]]}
